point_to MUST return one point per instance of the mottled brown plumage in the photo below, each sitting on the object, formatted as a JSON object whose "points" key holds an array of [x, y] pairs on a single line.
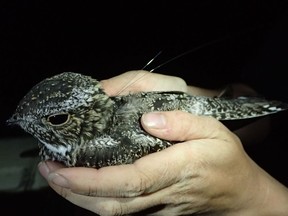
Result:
{"points": [[78, 124]]}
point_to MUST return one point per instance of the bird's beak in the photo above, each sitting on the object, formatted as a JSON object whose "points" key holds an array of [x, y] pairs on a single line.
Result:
{"points": [[13, 120]]}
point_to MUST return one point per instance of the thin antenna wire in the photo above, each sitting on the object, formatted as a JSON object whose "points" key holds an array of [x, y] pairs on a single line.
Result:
{"points": [[152, 60], [185, 53], [133, 81], [170, 60]]}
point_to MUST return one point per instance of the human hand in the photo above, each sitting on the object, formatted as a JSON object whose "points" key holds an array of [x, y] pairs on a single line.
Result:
{"points": [[207, 172], [180, 183], [137, 81]]}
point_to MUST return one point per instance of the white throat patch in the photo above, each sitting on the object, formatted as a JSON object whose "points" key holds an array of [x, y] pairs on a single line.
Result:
{"points": [[62, 150]]}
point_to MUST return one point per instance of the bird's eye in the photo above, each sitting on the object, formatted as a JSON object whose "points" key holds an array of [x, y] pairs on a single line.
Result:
{"points": [[58, 119]]}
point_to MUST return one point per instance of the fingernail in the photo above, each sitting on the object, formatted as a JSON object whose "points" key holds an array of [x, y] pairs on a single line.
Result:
{"points": [[154, 120], [43, 169], [58, 179]]}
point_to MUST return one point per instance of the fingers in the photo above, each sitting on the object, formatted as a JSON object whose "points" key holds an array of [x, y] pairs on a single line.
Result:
{"points": [[131, 180], [136, 81], [143, 176], [123, 83], [182, 126], [154, 179], [111, 205]]}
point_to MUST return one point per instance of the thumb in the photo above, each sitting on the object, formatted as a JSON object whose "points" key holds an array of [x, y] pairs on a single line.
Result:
{"points": [[182, 126]]}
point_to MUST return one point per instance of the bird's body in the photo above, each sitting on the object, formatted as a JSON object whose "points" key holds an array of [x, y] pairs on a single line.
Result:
{"points": [[78, 124]]}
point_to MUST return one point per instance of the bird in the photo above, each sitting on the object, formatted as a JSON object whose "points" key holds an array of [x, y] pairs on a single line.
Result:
{"points": [[78, 124]]}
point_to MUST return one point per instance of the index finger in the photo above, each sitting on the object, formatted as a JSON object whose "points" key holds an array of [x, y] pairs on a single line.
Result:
{"points": [[137, 81], [148, 174]]}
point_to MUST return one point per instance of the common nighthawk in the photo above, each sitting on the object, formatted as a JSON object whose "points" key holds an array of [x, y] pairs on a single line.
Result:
{"points": [[77, 124]]}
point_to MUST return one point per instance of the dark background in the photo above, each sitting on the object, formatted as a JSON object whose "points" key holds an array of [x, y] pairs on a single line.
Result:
{"points": [[42, 38]]}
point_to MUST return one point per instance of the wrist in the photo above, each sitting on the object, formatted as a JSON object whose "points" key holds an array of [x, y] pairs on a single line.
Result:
{"points": [[265, 196]]}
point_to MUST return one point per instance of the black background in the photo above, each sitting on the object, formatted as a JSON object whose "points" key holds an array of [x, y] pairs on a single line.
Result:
{"points": [[42, 38]]}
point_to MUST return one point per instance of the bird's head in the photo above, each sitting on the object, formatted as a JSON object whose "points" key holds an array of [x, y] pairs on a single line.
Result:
{"points": [[64, 111]]}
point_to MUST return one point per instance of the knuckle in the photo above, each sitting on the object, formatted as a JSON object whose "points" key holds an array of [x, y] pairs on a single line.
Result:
{"points": [[63, 192], [143, 183], [137, 188], [112, 209]]}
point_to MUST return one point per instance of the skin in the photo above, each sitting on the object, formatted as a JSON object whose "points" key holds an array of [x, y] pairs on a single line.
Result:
{"points": [[208, 171]]}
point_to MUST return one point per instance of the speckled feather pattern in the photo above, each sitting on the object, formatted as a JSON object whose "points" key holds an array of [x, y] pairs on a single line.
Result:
{"points": [[98, 130]]}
